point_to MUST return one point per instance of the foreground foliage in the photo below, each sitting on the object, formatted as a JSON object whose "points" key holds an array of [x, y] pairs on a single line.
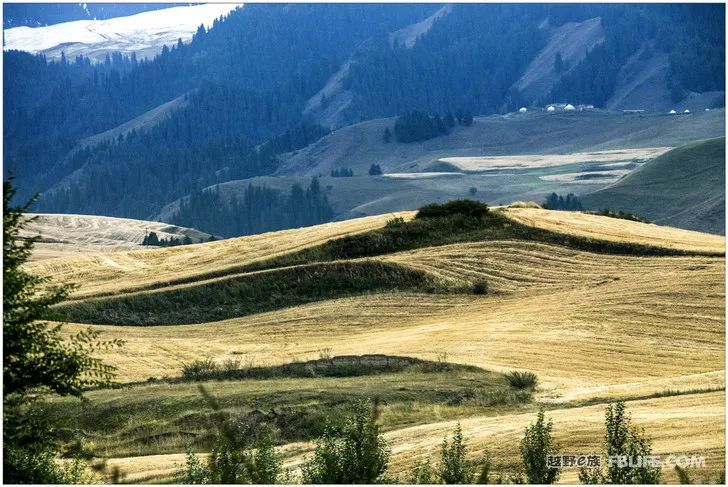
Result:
{"points": [[357, 454], [622, 438], [38, 360], [536, 445], [236, 457]]}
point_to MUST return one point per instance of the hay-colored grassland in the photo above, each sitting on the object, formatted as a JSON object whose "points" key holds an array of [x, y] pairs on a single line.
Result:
{"points": [[592, 326], [68, 235], [617, 230], [690, 424], [528, 161], [104, 273], [581, 321]]}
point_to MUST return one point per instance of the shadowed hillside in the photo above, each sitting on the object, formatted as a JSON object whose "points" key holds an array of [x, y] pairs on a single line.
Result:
{"points": [[683, 188]]}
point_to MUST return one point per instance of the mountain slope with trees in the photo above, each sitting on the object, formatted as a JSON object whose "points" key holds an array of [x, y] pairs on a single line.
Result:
{"points": [[254, 73]]}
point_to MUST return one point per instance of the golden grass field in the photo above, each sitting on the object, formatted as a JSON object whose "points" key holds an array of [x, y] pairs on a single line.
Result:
{"points": [[593, 327], [111, 272]]}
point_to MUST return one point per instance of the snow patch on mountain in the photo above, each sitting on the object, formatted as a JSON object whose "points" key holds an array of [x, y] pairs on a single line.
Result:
{"points": [[144, 33]]}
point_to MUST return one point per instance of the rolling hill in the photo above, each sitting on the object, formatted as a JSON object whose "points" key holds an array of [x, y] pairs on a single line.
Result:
{"points": [[683, 188], [575, 298], [64, 235]]}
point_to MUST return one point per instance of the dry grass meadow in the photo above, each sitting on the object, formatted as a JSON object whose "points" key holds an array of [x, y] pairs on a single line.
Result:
{"points": [[593, 326]]}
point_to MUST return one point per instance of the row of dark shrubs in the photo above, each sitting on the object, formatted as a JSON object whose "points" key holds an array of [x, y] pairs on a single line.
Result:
{"points": [[340, 366], [248, 294]]}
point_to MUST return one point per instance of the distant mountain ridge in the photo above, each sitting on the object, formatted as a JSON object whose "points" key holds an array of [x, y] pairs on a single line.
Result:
{"points": [[267, 69]]}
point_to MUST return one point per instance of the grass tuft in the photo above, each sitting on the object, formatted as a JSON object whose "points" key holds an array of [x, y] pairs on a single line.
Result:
{"points": [[522, 380]]}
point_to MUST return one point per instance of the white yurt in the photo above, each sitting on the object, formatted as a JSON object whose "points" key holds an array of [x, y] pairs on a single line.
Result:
{"points": [[522, 110], [707, 109], [672, 112], [569, 107], [686, 111], [551, 108]]}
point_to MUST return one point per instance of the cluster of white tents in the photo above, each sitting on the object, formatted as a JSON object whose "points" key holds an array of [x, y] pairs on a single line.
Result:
{"points": [[552, 108], [569, 108]]}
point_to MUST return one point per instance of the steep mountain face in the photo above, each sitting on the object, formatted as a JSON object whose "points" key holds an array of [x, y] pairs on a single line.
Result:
{"points": [[570, 42], [683, 188], [151, 131]]}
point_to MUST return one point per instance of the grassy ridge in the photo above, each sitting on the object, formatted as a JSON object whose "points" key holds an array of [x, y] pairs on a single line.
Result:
{"points": [[400, 235], [317, 273], [250, 293], [427, 232], [147, 419]]}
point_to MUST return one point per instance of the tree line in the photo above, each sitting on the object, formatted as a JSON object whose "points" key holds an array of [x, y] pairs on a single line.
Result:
{"points": [[258, 209], [418, 126]]}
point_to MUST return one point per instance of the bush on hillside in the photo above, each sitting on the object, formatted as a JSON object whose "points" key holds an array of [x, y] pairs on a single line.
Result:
{"points": [[536, 445], [522, 380], [468, 208], [480, 288], [622, 438]]}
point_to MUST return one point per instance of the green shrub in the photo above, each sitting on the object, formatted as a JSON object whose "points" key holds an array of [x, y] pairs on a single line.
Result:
{"points": [[469, 208], [199, 369], [454, 468], [396, 221], [422, 473], [522, 380], [480, 287], [358, 454], [536, 445], [24, 465]]}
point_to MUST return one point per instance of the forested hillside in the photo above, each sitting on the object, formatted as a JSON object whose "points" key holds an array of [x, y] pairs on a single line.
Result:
{"points": [[252, 75]]}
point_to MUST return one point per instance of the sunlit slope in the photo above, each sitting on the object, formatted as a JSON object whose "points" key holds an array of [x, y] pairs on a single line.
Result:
{"points": [[684, 187], [589, 325], [109, 273], [617, 230], [692, 425], [593, 326], [64, 235]]}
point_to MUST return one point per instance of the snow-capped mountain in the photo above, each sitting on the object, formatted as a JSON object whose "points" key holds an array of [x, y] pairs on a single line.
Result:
{"points": [[143, 33]]}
